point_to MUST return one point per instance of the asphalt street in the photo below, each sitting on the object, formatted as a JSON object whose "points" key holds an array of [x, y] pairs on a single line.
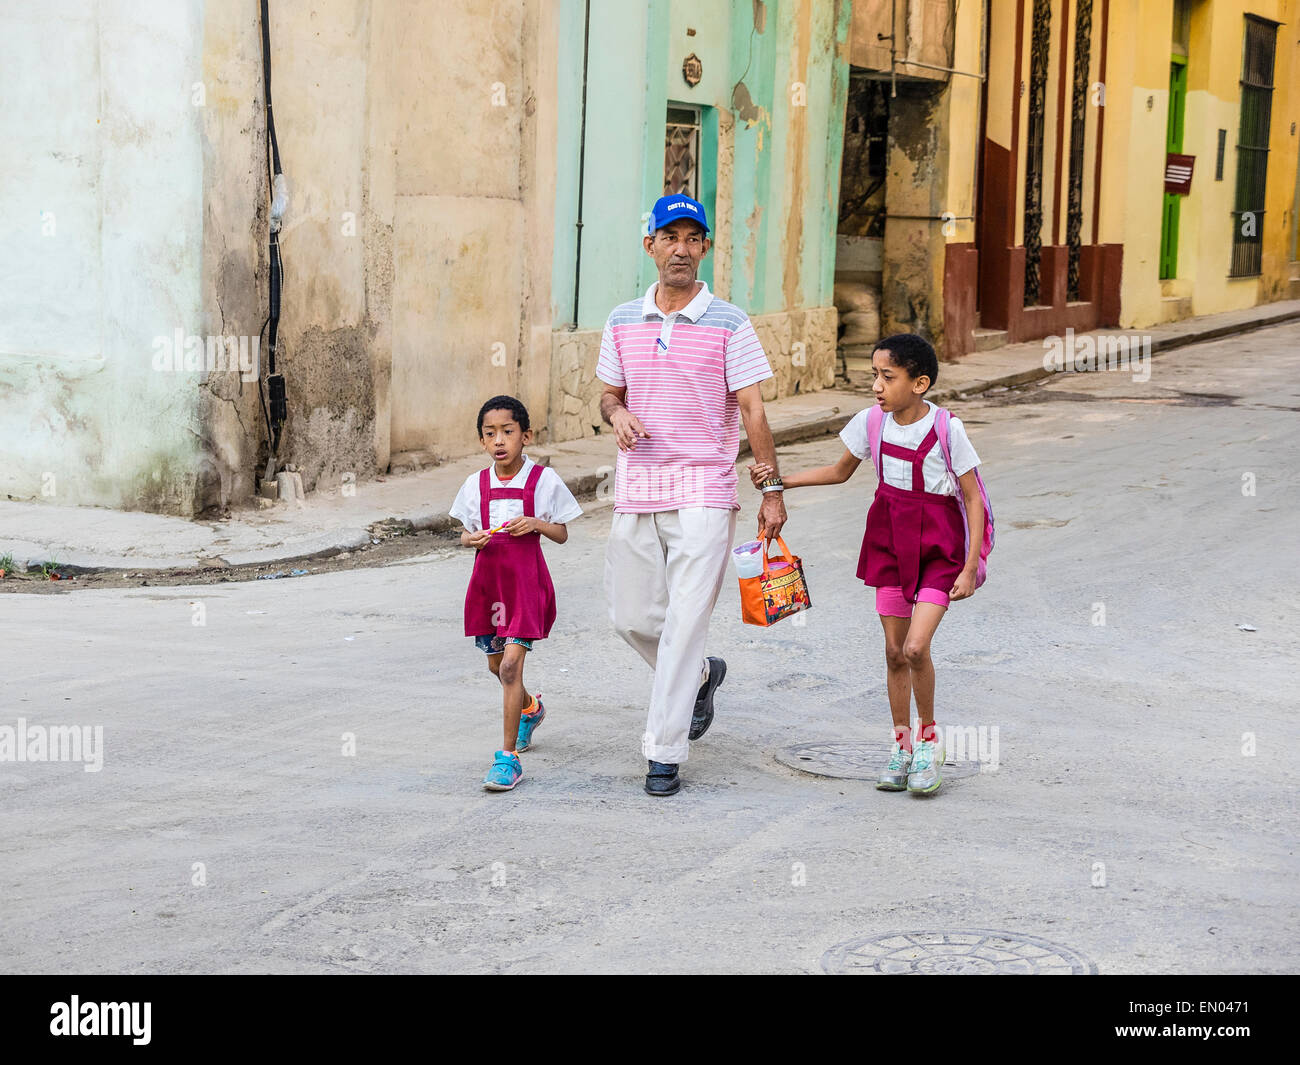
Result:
{"points": [[1135, 649]]}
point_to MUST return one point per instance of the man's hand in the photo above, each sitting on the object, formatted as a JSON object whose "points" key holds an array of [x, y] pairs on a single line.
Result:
{"points": [[771, 516], [627, 428]]}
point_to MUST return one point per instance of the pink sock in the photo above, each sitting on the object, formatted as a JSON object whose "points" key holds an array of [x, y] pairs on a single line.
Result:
{"points": [[903, 737], [928, 733]]}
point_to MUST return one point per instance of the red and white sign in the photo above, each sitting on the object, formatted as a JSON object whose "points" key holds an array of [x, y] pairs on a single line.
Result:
{"points": [[1178, 173]]}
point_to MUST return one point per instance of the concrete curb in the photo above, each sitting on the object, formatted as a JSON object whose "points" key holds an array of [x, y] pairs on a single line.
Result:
{"points": [[1159, 345]]}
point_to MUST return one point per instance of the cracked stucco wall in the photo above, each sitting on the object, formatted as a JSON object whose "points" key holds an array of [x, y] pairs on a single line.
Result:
{"points": [[417, 243], [336, 242], [916, 184], [234, 264]]}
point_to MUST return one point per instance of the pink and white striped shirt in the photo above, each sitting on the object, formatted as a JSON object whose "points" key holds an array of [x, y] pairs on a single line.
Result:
{"points": [[682, 372]]}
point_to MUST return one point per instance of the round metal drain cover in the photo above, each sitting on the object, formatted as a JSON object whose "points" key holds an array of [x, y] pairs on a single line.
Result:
{"points": [[976, 952], [856, 761]]}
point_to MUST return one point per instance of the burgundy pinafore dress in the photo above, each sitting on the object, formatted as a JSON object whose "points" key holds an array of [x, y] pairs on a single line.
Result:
{"points": [[510, 591], [915, 539]]}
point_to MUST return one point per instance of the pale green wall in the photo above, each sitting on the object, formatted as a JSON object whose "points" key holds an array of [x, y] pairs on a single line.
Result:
{"points": [[100, 254]]}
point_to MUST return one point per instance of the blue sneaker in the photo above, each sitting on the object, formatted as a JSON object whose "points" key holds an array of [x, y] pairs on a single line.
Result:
{"points": [[527, 725], [505, 773]]}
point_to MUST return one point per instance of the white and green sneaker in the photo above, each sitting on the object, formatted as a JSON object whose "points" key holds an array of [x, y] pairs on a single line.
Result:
{"points": [[894, 776], [927, 757]]}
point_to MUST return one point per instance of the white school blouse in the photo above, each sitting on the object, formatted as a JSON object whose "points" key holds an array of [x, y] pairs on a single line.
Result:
{"points": [[552, 500], [898, 472]]}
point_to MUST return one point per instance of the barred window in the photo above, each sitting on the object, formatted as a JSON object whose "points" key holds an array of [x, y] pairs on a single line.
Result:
{"points": [[1252, 146], [682, 152]]}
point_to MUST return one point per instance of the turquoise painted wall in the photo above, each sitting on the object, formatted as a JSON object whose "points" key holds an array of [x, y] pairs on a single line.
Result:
{"points": [[634, 72]]}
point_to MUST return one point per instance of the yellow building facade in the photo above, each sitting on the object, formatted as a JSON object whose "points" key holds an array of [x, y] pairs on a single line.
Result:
{"points": [[1240, 113], [1064, 118]]}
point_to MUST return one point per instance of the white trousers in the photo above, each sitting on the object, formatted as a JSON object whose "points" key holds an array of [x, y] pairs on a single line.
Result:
{"points": [[663, 572]]}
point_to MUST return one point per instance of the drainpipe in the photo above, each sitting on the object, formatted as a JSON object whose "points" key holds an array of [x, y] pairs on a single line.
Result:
{"points": [[582, 159], [278, 414], [893, 63]]}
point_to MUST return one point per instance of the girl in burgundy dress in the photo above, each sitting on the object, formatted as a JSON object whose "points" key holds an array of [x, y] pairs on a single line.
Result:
{"points": [[928, 533], [506, 510]]}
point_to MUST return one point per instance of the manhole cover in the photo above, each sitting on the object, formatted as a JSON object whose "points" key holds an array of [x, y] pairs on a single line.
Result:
{"points": [[973, 953], [858, 761]]}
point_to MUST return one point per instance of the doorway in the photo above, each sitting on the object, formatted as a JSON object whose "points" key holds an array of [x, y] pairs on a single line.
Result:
{"points": [[1173, 144]]}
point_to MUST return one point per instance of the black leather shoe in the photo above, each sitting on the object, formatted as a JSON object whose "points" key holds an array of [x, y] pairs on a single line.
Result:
{"points": [[662, 779], [703, 716]]}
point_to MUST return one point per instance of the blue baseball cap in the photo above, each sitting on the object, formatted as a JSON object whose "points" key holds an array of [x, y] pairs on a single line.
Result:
{"points": [[669, 209]]}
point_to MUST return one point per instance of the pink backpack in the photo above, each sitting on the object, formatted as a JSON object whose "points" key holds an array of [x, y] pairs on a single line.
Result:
{"points": [[942, 419]]}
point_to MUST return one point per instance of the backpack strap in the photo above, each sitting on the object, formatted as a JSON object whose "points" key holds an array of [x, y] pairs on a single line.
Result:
{"points": [[942, 424], [942, 420], [875, 426]]}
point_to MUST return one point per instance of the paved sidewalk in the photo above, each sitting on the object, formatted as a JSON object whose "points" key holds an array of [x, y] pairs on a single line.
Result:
{"points": [[92, 538]]}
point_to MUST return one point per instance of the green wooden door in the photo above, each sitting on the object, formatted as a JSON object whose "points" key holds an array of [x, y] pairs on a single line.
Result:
{"points": [[1173, 143]]}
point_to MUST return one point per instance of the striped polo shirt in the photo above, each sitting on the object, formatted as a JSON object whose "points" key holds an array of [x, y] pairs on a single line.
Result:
{"points": [[682, 372]]}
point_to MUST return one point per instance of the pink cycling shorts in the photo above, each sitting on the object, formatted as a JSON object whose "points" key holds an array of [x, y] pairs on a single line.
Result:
{"points": [[891, 602]]}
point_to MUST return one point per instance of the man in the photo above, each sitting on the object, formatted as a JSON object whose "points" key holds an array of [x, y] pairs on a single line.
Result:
{"points": [[678, 365]]}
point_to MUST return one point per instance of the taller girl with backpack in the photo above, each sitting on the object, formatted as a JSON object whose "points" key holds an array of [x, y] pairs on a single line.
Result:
{"points": [[928, 535]]}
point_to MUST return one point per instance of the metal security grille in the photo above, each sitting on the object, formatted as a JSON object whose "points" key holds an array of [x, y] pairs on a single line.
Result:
{"points": [[1252, 147], [682, 152], [1039, 49], [1078, 126]]}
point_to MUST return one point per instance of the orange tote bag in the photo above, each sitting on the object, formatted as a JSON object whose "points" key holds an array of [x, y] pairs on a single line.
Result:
{"points": [[777, 592]]}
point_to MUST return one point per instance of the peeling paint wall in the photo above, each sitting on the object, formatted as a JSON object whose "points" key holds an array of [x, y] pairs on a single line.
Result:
{"points": [[916, 197], [410, 284], [234, 264], [335, 243], [919, 26]]}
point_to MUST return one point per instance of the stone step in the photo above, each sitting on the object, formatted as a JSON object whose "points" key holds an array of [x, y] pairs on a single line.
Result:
{"points": [[1175, 308], [988, 339], [857, 365], [412, 461]]}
